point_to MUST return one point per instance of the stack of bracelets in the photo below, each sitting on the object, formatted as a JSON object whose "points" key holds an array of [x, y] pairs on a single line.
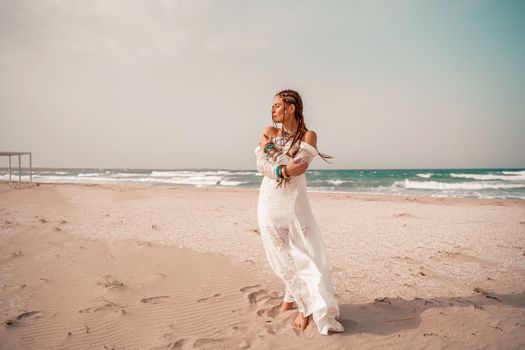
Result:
{"points": [[273, 153]]}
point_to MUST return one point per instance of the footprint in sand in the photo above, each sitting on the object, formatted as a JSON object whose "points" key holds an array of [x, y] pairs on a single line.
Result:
{"points": [[404, 215], [104, 307], [445, 255], [485, 293], [17, 253], [271, 307], [178, 345], [154, 300], [207, 298], [110, 282], [238, 329], [272, 312], [247, 288], [30, 314], [219, 343], [258, 296], [408, 259], [281, 325], [387, 300]]}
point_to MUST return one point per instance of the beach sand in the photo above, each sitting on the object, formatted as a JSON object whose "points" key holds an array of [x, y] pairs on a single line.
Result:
{"points": [[161, 267]]}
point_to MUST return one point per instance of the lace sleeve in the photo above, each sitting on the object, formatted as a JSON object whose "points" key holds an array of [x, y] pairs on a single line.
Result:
{"points": [[267, 166], [306, 152], [264, 165]]}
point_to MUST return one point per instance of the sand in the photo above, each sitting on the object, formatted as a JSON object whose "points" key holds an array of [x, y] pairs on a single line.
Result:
{"points": [[162, 267]]}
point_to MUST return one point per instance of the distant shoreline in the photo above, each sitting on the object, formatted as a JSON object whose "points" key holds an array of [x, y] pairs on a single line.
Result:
{"points": [[312, 194]]}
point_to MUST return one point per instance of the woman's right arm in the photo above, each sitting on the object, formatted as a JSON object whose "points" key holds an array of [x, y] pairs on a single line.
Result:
{"points": [[264, 165], [267, 166]]}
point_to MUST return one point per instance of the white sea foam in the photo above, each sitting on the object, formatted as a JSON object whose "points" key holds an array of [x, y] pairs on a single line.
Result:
{"points": [[435, 185], [509, 177], [232, 183], [172, 173], [336, 182], [426, 176], [192, 172], [521, 172], [128, 175], [84, 179], [243, 172], [331, 182], [322, 189], [88, 174], [198, 181], [195, 180]]}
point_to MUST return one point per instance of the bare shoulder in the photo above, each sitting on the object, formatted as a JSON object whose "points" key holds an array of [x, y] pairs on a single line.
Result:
{"points": [[268, 133], [310, 137]]}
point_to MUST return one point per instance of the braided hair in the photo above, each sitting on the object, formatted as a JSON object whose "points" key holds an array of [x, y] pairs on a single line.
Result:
{"points": [[293, 97]]}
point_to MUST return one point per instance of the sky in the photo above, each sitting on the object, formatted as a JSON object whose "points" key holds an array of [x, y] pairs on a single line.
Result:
{"points": [[189, 84]]}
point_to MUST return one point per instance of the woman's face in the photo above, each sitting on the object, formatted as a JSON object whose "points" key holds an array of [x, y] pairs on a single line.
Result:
{"points": [[278, 110]]}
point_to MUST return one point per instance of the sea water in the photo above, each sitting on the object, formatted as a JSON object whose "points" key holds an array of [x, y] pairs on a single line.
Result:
{"points": [[473, 183]]}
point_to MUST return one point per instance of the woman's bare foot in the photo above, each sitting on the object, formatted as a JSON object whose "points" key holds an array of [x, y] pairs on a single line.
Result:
{"points": [[300, 322], [287, 306]]}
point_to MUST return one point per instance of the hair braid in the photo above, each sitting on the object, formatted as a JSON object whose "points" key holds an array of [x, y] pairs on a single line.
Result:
{"points": [[292, 97]]}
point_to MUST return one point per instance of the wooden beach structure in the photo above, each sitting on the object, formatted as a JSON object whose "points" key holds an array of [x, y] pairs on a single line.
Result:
{"points": [[19, 154]]}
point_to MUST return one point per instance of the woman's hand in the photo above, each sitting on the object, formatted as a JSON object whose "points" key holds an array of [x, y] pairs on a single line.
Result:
{"points": [[296, 168], [264, 139]]}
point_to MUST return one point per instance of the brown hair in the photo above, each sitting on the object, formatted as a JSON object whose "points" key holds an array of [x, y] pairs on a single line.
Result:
{"points": [[293, 97]]}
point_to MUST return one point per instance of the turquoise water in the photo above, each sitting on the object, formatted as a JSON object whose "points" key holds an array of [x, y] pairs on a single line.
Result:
{"points": [[478, 183], [471, 183]]}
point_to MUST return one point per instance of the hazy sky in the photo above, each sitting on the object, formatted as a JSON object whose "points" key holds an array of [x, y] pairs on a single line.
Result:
{"points": [[189, 84]]}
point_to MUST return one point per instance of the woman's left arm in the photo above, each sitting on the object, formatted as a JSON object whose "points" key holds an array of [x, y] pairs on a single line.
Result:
{"points": [[308, 148], [305, 154], [281, 158]]}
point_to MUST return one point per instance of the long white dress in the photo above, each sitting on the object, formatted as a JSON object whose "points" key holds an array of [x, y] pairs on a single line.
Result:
{"points": [[292, 239]]}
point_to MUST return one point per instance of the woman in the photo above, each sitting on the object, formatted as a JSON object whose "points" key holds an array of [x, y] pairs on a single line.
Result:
{"points": [[291, 238]]}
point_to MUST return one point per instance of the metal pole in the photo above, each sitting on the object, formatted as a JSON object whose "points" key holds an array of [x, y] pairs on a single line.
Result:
{"points": [[30, 169], [9, 169], [19, 169]]}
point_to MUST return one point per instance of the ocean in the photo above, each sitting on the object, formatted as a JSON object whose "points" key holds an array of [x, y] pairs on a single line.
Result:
{"points": [[467, 183]]}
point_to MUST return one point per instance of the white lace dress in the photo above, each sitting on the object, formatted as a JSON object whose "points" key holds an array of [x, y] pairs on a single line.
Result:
{"points": [[292, 239]]}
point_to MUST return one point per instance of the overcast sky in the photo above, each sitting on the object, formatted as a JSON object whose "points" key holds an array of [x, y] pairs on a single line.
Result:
{"points": [[189, 84]]}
